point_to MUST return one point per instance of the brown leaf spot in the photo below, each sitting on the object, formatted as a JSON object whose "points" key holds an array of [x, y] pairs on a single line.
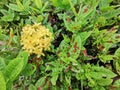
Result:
{"points": [[69, 19], [100, 47], [68, 54], [39, 88], [117, 36], [1, 43], [85, 10], [84, 52], [75, 47]]}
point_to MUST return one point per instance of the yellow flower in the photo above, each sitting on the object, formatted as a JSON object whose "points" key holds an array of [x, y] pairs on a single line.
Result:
{"points": [[36, 39]]}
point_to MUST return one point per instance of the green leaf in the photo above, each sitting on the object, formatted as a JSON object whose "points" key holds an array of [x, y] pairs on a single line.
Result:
{"points": [[72, 7], [117, 61], [91, 82], [38, 3], [60, 4], [105, 58], [55, 73], [55, 3], [9, 85], [105, 72], [111, 13], [117, 84], [8, 17], [101, 21], [32, 87], [26, 4], [44, 7], [65, 2], [3, 36], [13, 69], [76, 47], [54, 79], [104, 82], [29, 70], [2, 63], [63, 49], [2, 82], [20, 6], [68, 79], [117, 67], [85, 36], [98, 88], [3, 11], [14, 7], [23, 55], [40, 82], [117, 53], [89, 14], [104, 4], [72, 26]]}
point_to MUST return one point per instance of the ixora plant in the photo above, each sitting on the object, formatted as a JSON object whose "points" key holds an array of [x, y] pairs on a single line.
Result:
{"points": [[35, 39], [60, 45]]}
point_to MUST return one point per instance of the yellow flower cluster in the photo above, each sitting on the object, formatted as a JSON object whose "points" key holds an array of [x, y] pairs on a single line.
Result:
{"points": [[36, 39]]}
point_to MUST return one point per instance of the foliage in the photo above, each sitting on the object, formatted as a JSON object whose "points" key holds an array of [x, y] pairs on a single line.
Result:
{"points": [[11, 71], [85, 52]]}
